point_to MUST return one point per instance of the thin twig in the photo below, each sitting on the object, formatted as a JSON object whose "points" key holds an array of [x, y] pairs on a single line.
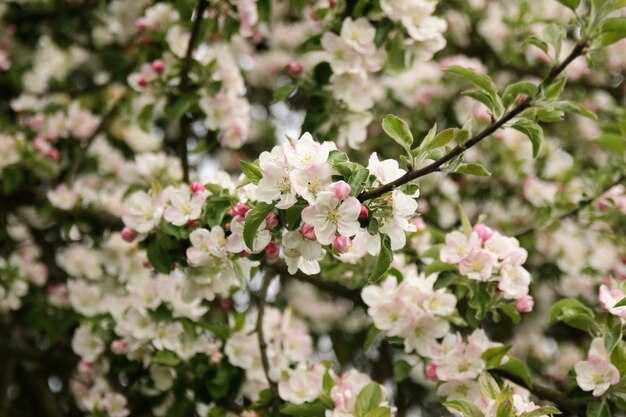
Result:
{"points": [[578, 50], [267, 279], [184, 82], [574, 212]]}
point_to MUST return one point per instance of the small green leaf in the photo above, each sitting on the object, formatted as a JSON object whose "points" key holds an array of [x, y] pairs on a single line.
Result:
{"points": [[158, 257], [398, 130], [517, 368], [542, 411], [357, 181], [613, 30], [533, 40], [493, 356], [613, 337], [572, 4], [489, 388], [533, 131], [511, 311], [401, 370], [505, 409], [573, 313], [554, 34], [473, 169], [303, 410], [372, 332], [368, 399], [613, 143], [181, 105], [515, 90], [379, 412], [464, 407], [598, 409], [442, 138], [165, 357], [252, 171], [254, 218], [621, 303], [281, 93], [384, 260], [480, 80]]}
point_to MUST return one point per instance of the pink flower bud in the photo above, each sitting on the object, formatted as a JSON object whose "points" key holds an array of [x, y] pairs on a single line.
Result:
{"points": [[525, 304], [197, 186], [342, 243], [142, 82], [240, 210], [272, 251], [271, 221], [364, 212], [341, 189], [128, 234], [119, 347], [294, 67], [53, 154], [484, 233], [308, 232], [158, 66], [419, 224], [191, 223], [140, 24], [431, 372]]}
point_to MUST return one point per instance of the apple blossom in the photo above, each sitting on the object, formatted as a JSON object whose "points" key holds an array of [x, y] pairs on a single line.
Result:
{"points": [[329, 216]]}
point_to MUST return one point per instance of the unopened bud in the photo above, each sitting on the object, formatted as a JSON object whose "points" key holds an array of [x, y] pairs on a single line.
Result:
{"points": [[128, 234], [341, 189], [342, 243], [308, 232]]}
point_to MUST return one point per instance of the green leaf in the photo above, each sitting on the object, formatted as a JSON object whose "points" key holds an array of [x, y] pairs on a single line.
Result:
{"points": [[542, 411], [401, 370], [621, 303], [613, 30], [598, 409], [165, 357], [384, 260], [327, 382], [372, 332], [573, 313], [303, 410], [533, 40], [379, 412], [515, 90], [254, 218], [464, 407], [493, 356], [442, 138], [572, 4], [473, 169], [480, 80], [398, 130], [516, 368], [618, 358], [252, 171], [505, 409], [578, 108], [368, 399], [293, 215], [357, 181], [158, 257], [533, 131], [554, 34], [438, 266], [281, 93], [181, 105], [555, 88], [467, 226], [511, 311], [613, 143], [613, 337], [489, 388]]}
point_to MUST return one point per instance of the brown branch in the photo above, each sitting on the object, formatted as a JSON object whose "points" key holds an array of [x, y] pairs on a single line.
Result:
{"points": [[578, 50], [184, 82], [267, 279], [574, 212]]}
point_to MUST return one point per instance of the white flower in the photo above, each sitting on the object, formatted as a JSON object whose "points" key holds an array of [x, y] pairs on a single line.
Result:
{"points": [[205, 245], [63, 197], [302, 385], [178, 40], [423, 334], [596, 374], [396, 225], [341, 55], [184, 206], [9, 153], [301, 253], [86, 344], [305, 152], [458, 245], [275, 184], [311, 181], [459, 390], [359, 34], [465, 363], [385, 171], [142, 212], [514, 281], [330, 215], [478, 264]]}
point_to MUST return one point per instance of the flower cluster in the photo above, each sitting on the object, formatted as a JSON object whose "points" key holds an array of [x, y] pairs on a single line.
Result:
{"points": [[486, 255]]}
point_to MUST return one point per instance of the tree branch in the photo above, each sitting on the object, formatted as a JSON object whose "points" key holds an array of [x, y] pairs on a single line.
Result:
{"points": [[184, 82], [486, 132], [267, 279]]}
